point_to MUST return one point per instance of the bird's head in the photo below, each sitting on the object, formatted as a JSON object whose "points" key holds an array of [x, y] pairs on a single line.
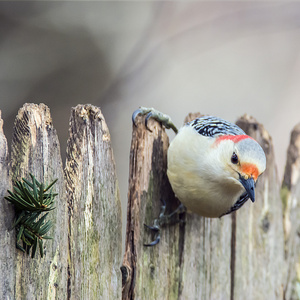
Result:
{"points": [[244, 160]]}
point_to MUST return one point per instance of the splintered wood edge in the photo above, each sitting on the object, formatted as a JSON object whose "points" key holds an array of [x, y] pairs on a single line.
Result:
{"points": [[139, 132], [84, 118], [29, 119], [139, 176], [34, 133], [263, 218], [3, 147], [79, 116]]}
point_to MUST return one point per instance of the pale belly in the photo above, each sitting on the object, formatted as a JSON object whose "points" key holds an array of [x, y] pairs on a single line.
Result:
{"points": [[204, 188], [204, 196]]}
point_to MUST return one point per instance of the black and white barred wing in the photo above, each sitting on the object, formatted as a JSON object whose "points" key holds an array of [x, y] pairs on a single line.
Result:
{"points": [[213, 126]]}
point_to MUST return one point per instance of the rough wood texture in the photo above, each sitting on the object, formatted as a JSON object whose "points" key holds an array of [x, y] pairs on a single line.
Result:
{"points": [[94, 208], [144, 267], [290, 193], [259, 239], [7, 240], [192, 261], [235, 257], [251, 254], [35, 149]]}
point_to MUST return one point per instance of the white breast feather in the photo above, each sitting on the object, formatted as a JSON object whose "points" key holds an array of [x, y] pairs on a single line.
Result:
{"points": [[198, 183]]}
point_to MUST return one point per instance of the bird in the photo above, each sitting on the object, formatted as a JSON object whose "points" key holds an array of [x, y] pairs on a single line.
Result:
{"points": [[212, 164]]}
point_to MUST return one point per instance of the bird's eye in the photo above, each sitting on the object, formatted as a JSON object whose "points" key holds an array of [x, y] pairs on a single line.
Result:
{"points": [[234, 158]]}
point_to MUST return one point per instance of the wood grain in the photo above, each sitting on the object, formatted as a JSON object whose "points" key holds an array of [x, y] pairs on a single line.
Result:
{"points": [[144, 267], [94, 208], [259, 248], [35, 149]]}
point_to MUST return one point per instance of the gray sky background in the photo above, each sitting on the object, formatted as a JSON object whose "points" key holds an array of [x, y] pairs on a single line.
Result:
{"points": [[219, 58]]}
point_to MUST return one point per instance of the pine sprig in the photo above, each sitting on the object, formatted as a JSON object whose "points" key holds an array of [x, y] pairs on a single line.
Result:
{"points": [[31, 201]]}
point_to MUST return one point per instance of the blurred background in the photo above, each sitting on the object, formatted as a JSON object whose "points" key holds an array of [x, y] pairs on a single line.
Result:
{"points": [[219, 58]]}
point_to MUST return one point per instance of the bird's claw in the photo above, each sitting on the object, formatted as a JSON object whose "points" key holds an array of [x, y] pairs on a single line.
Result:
{"points": [[156, 229], [153, 228], [156, 226], [156, 115], [163, 220], [155, 242]]}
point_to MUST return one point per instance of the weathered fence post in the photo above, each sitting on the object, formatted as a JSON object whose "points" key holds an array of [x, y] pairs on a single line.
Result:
{"points": [[94, 208], [35, 149], [83, 259], [143, 268], [192, 261], [240, 256], [259, 241], [251, 254], [291, 203]]}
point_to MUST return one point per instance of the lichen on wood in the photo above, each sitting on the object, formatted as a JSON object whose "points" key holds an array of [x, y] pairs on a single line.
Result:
{"points": [[94, 208], [259, 248], [35, 149], [83, 259], [186, 263], [204, 258], [251, 254], [144, 267]]}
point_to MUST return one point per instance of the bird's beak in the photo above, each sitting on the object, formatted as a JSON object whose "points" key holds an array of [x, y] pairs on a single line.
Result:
{"points": [[249, 186]]}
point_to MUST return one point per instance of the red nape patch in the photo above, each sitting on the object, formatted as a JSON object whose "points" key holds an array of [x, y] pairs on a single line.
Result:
{"points": [[234, 138], [250, 170]]}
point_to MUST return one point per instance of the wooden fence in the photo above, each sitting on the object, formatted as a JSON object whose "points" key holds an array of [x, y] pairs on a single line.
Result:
{"points": [[251, 254]]}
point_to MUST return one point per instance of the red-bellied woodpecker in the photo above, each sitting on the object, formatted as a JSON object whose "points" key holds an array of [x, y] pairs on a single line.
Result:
{"points": [[213, 165]]}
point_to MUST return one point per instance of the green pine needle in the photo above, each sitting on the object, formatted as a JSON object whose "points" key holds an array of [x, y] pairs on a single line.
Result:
{"points": [[31, 202]]}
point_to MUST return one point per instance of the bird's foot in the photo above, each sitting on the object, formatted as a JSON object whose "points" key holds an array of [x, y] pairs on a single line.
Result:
{"points": [[163, 220], [156, 115]]}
